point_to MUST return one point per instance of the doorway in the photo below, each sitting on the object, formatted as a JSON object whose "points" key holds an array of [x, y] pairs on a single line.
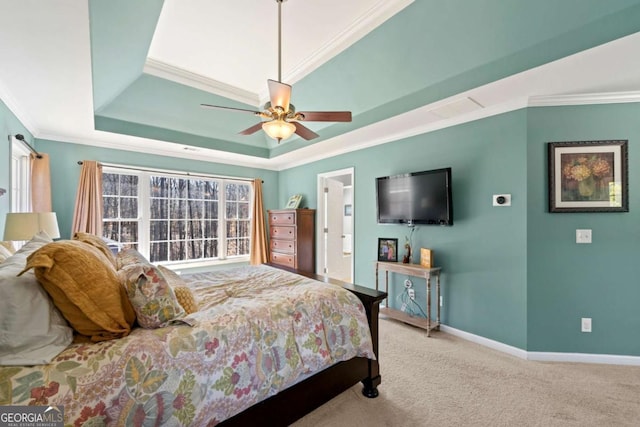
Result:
{"points": [[335, 225]]}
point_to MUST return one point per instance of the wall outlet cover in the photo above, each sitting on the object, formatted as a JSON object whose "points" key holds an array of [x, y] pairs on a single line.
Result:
{"points": [[583, 236]]}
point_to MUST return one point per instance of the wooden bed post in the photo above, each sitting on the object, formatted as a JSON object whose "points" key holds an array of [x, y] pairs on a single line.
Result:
{"points": [[372, 382]]}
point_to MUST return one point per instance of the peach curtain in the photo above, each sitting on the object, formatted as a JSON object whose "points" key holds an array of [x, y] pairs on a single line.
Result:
{"points": [[40, 183], [87, 215], [259, 253]]}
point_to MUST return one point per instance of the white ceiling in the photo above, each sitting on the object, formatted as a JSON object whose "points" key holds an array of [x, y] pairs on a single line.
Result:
{"points": [[187, 38], [46, 74]]}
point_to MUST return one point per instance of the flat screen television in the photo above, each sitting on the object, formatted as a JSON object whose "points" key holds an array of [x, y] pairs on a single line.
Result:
{"points": [[415, 198]]}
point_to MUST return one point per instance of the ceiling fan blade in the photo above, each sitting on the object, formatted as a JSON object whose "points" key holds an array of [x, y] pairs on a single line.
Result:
{"points": [[305, 132], [325, 116], [279, 94], [253, 129], [220, 107]]}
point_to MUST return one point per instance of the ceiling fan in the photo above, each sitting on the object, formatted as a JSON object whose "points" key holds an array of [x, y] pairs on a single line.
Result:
{"points": [[283, 119]]}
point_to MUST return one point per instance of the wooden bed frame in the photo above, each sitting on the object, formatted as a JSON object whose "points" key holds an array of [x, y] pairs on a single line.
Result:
{"points": [[298, 400]]}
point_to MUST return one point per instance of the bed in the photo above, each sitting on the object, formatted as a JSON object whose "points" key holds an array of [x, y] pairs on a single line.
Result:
{"points": [[266, 343]]}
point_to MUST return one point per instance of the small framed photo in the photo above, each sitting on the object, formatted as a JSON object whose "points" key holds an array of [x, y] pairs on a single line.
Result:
{"points": [[588, 176], [387, 249], [294, 201]]}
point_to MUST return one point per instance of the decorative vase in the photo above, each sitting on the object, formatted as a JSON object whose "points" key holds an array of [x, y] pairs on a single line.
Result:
{"points": [[587, 187]]}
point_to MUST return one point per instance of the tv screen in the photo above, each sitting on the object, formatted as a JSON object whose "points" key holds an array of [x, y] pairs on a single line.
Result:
{"points": [[415, 198]]}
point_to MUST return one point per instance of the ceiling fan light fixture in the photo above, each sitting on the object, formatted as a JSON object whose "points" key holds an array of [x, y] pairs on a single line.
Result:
{"points": [[279, 129]]}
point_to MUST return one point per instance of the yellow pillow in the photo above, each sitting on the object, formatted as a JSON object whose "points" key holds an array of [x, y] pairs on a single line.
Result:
{"points": [[97, 243], [183, 293], [85, 288]]}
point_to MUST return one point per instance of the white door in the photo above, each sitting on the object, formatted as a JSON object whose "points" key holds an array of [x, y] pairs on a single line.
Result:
{"points": [[336, 266], [335, 224]]}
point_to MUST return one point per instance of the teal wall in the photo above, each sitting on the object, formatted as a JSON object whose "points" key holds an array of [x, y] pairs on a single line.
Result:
{"points": [[9, 125], [565, 280], [65, 171], [483, 255], [514, 275]]}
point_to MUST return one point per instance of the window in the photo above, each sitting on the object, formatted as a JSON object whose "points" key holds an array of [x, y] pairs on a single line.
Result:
{"points": [[20, 177], [172, 218]]}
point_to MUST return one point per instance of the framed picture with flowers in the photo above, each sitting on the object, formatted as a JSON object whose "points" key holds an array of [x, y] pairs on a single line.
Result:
{"points": [[588, 176]]}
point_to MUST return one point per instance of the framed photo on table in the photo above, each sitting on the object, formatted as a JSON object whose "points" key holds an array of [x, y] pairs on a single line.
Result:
{"points": [[294, 201], [588, 176], [387, 249]]}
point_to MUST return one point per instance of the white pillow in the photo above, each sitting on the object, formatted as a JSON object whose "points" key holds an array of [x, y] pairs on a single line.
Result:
{"points": [[4, 253], [32, 330]]}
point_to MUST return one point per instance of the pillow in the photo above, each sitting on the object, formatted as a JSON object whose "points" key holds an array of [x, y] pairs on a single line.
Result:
{"points": [[152, 298], [85, 288], [96, 242], [183, 293], [32, 330], [4, 253], [129, 256]]}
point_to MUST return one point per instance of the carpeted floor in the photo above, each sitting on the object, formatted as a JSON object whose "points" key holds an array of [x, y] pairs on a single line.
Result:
{"points": [[447, 381]]}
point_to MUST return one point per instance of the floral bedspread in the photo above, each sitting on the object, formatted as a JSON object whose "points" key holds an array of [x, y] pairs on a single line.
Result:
{"points": [[259, 330]]}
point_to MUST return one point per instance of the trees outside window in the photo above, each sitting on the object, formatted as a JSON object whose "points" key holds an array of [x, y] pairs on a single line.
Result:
{"points": [[175, 218]]}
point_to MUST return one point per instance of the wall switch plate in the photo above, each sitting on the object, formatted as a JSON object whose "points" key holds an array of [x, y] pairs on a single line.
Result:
{"points": [[440, 300], [583, 236], [502, 200], [585, 324]]}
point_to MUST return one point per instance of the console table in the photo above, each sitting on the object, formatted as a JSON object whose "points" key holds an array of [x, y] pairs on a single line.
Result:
{"points": [[415, 270]]}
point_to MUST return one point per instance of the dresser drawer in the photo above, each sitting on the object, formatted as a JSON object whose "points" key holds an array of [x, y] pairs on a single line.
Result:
{"points": [[283, 259], [282, 218], [283, 246], [283, 233]]}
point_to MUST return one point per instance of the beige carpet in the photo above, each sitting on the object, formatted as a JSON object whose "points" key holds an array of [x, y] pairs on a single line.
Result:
{"points": [[447, 381]]}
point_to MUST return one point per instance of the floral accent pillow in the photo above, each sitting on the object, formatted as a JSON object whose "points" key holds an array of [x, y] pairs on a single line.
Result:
{"points": [[153, 300], [129, 256]]}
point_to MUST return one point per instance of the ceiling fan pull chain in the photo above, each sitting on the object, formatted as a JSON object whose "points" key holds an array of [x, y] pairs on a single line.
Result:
{"points": [[279, 40]]}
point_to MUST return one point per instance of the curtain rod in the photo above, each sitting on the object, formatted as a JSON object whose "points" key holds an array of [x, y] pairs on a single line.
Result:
{"points": [[141, 169], [20, 137]]}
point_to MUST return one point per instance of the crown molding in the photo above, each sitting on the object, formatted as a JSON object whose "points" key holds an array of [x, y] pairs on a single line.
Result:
{"points": [[170, 72], [13, 106], [161, 148], [584, 99]]}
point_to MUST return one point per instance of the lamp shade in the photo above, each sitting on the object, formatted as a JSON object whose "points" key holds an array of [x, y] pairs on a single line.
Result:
{"points": [[279, 129], [25, 225]]}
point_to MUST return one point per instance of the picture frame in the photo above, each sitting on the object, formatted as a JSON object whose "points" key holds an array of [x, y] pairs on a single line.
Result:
{"points": [[588, 176], [294, 201], [387, 249]]}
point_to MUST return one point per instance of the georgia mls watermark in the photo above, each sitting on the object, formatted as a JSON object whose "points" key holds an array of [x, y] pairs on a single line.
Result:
{"points": [[31, 416]]}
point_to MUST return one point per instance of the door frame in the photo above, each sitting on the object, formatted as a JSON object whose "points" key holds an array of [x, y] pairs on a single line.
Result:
{"points": [[320, 253]]}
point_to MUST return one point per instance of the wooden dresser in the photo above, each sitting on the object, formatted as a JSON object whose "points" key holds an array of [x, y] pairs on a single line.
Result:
{"points": [[292, 238]]}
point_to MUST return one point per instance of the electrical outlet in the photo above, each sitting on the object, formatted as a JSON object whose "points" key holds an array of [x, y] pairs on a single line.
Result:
{"points": [[412, 293], [583, 236], [586, 324], [408, 283]]}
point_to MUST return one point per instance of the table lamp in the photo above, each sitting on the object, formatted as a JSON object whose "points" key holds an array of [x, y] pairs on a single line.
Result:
{"points": [[25, 225]]}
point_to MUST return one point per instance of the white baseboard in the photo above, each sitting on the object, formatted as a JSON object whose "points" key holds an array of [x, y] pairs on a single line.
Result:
{"points": [[539, 356]]}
